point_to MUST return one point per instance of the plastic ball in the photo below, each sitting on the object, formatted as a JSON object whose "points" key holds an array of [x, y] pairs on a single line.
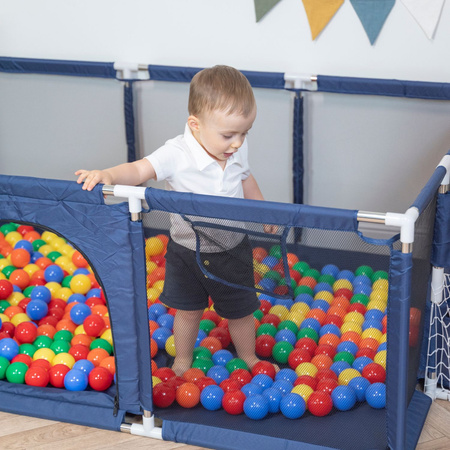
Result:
{"points": [[188, 395], [344, 398], [41, 293], [37, 376], [9, 348], [263, 380], [57, 374], [15, 372], [374, 372], [170, 346], [233, 402], [100, 378], [274, 397], [75, 380], [218, 373], [163, 395], [251, 389], [211, 397], [281, 351], [256, 407], [79, 313], [292, 406], [376, 395], [222, 357], [320, 403]]}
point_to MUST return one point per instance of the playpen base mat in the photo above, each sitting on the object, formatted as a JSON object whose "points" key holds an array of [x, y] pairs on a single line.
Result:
{"points": [[361, 428]]}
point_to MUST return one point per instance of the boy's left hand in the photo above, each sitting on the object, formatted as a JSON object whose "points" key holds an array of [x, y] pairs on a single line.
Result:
{"points": [[270, 229]]}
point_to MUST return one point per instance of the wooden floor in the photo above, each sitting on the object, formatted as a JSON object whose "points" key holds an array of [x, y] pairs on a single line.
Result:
{"points": [[26, 433]]}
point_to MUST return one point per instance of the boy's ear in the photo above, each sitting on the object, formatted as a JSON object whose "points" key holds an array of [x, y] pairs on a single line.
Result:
{"points": [[193, 123]]}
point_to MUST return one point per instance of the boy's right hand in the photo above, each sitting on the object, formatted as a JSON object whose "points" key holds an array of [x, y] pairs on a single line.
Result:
{"points": [[90, 178]]}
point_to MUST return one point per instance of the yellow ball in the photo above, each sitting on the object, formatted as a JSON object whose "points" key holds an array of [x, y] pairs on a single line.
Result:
{"points": [[150, 266], [30, 269], [347, 375], [4, 262], [295, 316], [79, 330], [379, 295], [373, 333], [63, 358], [45, 249], [156, 380], [170, 346], [58, 243], [262, 269], [351, 326], [355, 317], [342, 284], [303, 390], [280, 311], [48, 236], [63, 261], [44, 353], [153, 246], [306, 368], [380, 358], [2, 276], [158, 285], [19, 318], [71, 268], [377, 304], [13, 237], [383, 338], [4, 318], [80, 284], [15, 298], [67, 250], [380, 284], [300, 307], [324, 295], [153, 294], [107, 335], [53, 287], [63, 293]]}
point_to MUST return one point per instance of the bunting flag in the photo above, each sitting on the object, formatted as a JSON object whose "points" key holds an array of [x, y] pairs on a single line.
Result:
{"points": [[372, 14], [426, 13], [262, 7], [319, 13]]}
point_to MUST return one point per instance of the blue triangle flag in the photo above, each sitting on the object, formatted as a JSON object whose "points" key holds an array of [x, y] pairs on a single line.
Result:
{"points": [[372, 14]]}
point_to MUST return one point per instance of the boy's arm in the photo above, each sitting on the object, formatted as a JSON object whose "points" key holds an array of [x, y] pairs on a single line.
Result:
{"points": [[133, 174]]}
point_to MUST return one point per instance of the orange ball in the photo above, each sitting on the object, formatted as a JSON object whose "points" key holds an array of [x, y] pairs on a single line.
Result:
{"points": [[11, 311], [66, 324], [322, 361], [153, 348], [97, 355], [188, 395], [82, 339], [79, 260], [20, 257], [101, 310], [351, 336], [20, 278], [330, 339], [369, 343], [109, 363], [193, 374], [211, 343], [317, 314], [46, 330]]}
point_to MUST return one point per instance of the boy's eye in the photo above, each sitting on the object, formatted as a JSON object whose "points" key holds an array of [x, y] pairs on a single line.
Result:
{"points": [[227, 137]]}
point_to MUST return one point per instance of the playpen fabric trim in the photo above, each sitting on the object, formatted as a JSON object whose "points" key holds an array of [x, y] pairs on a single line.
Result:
{"points": [[440, 256], [427, 194]]}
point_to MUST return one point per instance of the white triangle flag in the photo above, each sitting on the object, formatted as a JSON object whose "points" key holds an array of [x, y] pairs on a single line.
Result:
{"points": [[426, 13]]}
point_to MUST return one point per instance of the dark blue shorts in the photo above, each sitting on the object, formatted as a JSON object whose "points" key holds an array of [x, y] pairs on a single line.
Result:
{"points": [[187, 288]]}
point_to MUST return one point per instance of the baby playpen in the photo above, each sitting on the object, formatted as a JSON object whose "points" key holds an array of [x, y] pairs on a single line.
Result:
{"points": [[112, 238]]}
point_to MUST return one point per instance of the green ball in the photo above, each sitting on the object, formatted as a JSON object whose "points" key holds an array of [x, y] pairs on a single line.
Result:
{"points": [[258, 314], [266, 328], [236, 363], [4, 363], [66, 281], [37, 244], [303, 290], [281, 351], [15, 372], [60, 346], [379, 275], [27, 349], [301, 267], [101, 343], [53, 256], [308, 332], [201, 352], [8, 270], [273, 274], [327, 279], [360, 298], [275, 250], [288, 325], [43, 342], [7, 228], [27, 291], [344, 356], [64, 335], [207, 325], [3, 305], [313, 273], [364, 270], [203, 364], [283, 283]]}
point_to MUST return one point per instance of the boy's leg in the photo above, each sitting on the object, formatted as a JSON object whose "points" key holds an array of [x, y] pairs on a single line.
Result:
{"points": [[185, 331]]}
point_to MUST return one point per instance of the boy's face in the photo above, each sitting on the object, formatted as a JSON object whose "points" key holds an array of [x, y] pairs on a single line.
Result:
{"points": [[221, 134]]}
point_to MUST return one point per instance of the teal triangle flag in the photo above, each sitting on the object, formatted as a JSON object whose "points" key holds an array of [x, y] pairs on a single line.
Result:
{"points": [[372, 14], [262, 7]]}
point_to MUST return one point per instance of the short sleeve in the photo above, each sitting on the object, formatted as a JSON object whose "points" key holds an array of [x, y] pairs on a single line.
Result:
{"points": [[162, 161]]}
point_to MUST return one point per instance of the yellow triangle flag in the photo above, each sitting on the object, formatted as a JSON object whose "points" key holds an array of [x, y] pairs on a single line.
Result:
{"points": [[319, 13]]}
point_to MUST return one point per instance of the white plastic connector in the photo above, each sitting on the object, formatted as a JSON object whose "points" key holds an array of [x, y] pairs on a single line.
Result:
{"points": [[437, 285], [300, 81], [445, 162], [147, 428], [405, 222], [134, 194], [131, 71]]}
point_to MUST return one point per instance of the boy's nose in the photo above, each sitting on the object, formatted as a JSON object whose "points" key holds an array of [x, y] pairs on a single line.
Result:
{"points": [[236, 145]]}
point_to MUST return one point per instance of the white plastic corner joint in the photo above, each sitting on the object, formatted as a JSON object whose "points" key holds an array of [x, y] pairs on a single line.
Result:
{"points": [[406, 223], [134, 194], [131, 71], [300, 81], [445, 162]]}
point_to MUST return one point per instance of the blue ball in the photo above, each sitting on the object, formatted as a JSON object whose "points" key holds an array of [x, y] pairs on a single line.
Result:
{"points": [[322, 286], [330, 328], [200, 336], [84, 365], [16, 288], [347, 346], [376, 395], [338, 366], [165, 320], [361, 362], [256, 407], [23, 243], [283, 386], [218, 373], [359, 385], [251, 389], [75, 380], [160, 336], [270, 261], [221, 357], [362, 289], [158, 309], [79, 312], [274, 396], [77, 298], [9, 348], [211, 397], [53, 273], [321, 304], [382, 346], [263, 380], [346, 275], [372, 323], [36, 309], [94, 292], [361, 279], [35, 256], [268, 298], [330, 269], [374, 314], [292, 406], [286, 336], [312, 323], [268, 284], [286, 302], [304, 298], [286, 374], [41, 293], [81, 271], [344, 398]]}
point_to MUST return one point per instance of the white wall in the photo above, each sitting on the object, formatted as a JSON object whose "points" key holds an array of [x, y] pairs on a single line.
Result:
{"points": [[362, 152]]}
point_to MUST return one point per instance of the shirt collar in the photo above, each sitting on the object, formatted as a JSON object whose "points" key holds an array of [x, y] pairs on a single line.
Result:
{"points": [[201, 157]]}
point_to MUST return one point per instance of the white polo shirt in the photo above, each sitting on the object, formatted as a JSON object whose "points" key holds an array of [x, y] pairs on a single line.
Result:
{"points": [[186, 167]]}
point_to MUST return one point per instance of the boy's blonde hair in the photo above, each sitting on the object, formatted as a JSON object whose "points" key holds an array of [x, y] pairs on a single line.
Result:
{"points": [[221, 88]]}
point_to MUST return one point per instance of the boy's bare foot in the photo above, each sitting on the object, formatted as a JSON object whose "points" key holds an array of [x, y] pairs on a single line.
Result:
{"points": [[181, 366]]}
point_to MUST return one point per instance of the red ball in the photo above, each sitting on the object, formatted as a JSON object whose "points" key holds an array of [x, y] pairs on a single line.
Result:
{"points": [[264, 345], [188, 395], [272, 319], [93, 325], [265, 306], [23, 358], [374, 372], [242, 376], [230, 385], [211, 343], [320, 403], [203, 382], [26, 332], [6, 289], [79, 351], [308, 380], [358, 307], [222, 334], [163, 395], [298, 356], [333, 319], [325, 349], [264, 367], [57, 374], [326, 373], [344, 292], [211, 315], [100, 378], [369, 352], [327, 385], [308, 344], [233, 402], [37, 376], [164, 373], [175, 382], [8, 328]]}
